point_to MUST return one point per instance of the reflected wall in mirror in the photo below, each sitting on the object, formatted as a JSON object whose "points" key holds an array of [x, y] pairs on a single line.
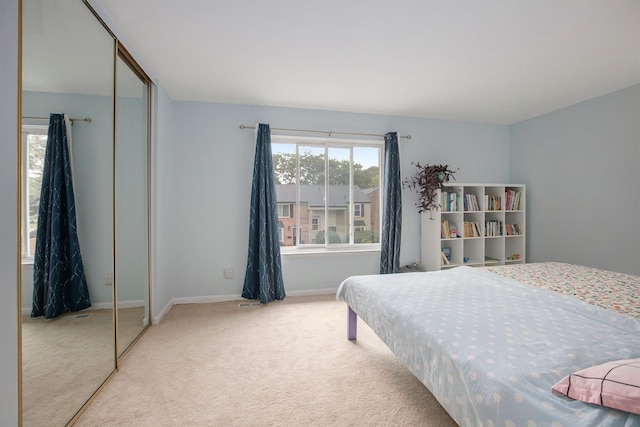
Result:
{"points": [[132, 208], [67, 67]]}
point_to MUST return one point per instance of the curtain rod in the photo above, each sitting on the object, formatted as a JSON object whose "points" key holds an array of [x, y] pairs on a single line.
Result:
{"points": [[86, 119], [243, 127]]}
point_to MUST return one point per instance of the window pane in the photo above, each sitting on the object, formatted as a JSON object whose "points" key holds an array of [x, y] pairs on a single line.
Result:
{"points": [[284, 164], [312, 195], [36, 146], [284, 168], [339, 195], [366, 177]]}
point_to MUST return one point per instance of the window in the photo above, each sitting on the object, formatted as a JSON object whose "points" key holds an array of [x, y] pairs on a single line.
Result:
{"points": [[281, 232], [285, 210], [326, 178], [34, 144]]}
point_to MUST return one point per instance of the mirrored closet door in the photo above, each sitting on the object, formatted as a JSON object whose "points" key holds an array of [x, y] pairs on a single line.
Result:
{"points": [[72, 337], [132, 207]]}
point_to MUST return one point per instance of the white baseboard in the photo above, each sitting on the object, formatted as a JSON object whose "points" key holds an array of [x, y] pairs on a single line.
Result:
{"points": [[312, 292], [101, 306], [223, 298]]}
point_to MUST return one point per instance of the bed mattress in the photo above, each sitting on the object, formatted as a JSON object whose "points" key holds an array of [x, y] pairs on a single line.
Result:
{"points": [[490, 347]]}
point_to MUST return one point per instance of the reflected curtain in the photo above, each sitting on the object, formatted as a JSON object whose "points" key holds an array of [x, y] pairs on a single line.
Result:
{"points": [[391, 207], [263, 277], [59, 282]]}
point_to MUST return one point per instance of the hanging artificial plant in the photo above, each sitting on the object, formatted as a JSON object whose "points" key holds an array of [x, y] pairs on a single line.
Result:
{"points": [[426, 182]]}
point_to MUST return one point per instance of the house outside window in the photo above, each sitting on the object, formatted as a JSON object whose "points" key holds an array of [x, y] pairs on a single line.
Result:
{"points": [[320, 180]]}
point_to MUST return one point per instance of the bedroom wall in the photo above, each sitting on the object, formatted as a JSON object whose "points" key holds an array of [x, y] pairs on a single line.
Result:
{"points": [[8, 212], [580, 165], [204, 179], [164, 222]]}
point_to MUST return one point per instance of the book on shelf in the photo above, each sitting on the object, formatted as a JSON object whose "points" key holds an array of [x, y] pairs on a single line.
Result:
{"points": [[445, 232], [512, 229], [443, 259], [493, 228], [472, 229], [448, 230], [449, 201], [512, 199], [446, 250], [492, 203], [471, 202]]}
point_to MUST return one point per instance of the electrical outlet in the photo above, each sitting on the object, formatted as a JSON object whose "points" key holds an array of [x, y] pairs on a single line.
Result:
{"points": [[108, 279], [228, 273]]}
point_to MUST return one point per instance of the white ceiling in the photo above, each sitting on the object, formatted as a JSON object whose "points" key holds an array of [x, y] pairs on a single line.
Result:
{"points": [[498, 61]]}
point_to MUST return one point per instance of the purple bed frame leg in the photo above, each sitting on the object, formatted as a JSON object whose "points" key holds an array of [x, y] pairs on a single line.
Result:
{"points": [[352, 324]]}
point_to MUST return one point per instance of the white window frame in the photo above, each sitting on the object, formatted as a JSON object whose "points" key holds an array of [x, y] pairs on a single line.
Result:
{"points": [[332, 143], [281, 210], [359, 212], [27, 256], [281, 233]]}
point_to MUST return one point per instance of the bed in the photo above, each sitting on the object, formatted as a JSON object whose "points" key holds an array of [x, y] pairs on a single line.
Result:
{"points": [[490, 343]]}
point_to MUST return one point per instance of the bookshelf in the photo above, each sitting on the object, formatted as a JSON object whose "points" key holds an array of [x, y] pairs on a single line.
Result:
{"points": [[477, 225]]}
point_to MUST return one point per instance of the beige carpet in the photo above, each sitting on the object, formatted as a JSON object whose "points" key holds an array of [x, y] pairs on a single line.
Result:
{"points": [[284, 364], [66, 359]]}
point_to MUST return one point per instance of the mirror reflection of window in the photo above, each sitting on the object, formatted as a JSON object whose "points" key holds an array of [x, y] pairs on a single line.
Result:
{"points": [[34, 144]]}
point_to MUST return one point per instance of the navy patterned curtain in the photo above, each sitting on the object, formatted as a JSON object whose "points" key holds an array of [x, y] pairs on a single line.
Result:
{"points": [[263, 278], [59, 283], [391, 207]]}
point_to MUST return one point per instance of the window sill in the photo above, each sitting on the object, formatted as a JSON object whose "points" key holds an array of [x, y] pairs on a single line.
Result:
{"points": [[286, 252]]}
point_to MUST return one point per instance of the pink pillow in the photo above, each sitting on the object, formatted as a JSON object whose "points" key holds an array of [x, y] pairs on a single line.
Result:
{"points": [[613, 384]]}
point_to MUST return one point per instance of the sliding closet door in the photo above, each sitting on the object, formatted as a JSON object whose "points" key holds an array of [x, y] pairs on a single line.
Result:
{"points": [[132, 201], [68, 67]]}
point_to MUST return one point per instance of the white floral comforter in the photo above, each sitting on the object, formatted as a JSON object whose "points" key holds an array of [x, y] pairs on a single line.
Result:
{"points": [[612, 291]]}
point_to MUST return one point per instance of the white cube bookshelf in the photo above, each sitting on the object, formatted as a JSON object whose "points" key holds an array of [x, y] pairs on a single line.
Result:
{"points": [[489, 220]]}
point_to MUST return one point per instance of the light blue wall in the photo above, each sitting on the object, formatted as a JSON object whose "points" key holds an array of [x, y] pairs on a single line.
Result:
{"points": [[204, 172], [581, 165], [8, 212], [164, 220]]}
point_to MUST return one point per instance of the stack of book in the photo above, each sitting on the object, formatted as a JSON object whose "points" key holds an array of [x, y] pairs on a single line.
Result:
{"points": [[472, 229], [492, 203], [449, 201], [471, 202], [493, 228], [512, 229], [512, 200]]}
